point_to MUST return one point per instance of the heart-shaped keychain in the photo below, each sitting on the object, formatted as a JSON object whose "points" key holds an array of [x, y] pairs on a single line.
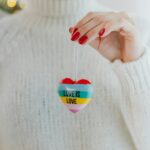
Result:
{"points": [[75, 95]]}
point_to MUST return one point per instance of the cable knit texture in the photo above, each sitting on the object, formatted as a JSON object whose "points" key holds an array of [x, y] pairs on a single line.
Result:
{"points": [[35, 54]]}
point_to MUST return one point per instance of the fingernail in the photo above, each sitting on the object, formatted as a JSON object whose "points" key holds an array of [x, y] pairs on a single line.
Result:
{"points": [[83, 39], [102, 32], [75, 30], [75, 36]]}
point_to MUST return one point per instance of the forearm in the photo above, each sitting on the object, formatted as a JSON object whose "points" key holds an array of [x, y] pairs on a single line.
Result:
{"points": [[134, 76]]}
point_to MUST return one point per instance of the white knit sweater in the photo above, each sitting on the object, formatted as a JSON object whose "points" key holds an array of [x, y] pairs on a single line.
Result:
{"points": [[35, 54]]}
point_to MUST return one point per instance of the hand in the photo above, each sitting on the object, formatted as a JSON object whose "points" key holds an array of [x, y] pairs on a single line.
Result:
{"points": [[113, 34]]}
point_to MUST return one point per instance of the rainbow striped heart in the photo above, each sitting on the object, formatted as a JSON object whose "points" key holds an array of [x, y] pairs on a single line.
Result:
{"points": [[75, 95]]}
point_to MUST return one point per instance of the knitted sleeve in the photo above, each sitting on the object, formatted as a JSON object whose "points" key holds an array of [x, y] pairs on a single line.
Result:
{"points": [[135, 76]]}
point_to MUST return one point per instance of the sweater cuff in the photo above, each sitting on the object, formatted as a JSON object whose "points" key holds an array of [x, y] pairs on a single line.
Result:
{"points": [[134, 76]]}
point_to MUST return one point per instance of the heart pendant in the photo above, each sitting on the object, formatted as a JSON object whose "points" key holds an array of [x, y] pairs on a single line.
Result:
{"points": [[75, 95]]}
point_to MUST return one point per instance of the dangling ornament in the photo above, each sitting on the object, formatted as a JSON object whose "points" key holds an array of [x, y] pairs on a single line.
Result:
{"points": [[75, 94]]}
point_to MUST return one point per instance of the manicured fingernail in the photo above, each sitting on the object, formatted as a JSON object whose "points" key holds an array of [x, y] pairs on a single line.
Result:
{"points": [[102, 32], [83, 39], [75, 36], [74, 30]]}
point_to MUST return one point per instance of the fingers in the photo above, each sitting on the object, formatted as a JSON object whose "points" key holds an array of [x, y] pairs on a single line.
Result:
{"points": [[95, 25], [123, 27], [85, 20], [83, 33], [95, 32], [88, 32]]}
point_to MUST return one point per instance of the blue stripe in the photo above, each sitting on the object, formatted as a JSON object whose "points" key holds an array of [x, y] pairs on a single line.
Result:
{"points": [[75, 87], [81, 94]]}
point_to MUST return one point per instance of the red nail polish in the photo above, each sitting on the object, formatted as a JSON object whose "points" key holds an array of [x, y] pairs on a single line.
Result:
{"points": [[83, 39], [102, 32], [74, 30], [75, 36]]}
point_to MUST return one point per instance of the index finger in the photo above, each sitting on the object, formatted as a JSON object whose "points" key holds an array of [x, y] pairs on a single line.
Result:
{"points": [[84, 20]]}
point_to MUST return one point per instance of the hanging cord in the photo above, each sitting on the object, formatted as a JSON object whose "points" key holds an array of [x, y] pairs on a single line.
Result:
{"points": [[99, 43], [76, 56]]}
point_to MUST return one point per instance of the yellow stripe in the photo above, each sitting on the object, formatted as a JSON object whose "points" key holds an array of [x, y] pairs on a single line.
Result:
{"points": [[71, 100]]}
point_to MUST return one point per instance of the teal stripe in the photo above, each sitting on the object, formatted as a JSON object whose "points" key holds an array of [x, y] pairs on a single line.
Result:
{"points": [[82, 94], [76, 87]]}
